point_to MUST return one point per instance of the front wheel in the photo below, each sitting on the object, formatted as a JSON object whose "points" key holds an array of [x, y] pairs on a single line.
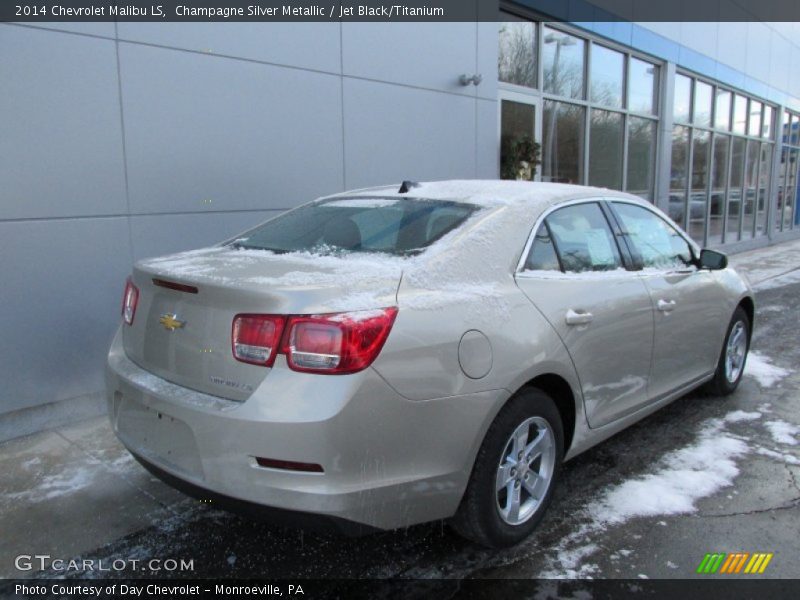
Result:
{"points": [[515, 472], [733, 357]]}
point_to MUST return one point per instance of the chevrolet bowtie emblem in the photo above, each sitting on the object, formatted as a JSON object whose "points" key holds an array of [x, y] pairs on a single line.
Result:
{"points": [[171, 322]]}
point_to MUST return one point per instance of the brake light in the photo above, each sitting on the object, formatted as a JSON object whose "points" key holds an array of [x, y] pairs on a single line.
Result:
{"points": [[336, 343], [129, 301], [255, 338]]}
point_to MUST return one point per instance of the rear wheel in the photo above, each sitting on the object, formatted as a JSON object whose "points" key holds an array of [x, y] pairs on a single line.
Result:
{"points": [[733, 357], [515, 472]]}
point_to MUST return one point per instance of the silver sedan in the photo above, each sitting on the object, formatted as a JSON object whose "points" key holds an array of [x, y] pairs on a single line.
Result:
{"points": [[395, 355]]}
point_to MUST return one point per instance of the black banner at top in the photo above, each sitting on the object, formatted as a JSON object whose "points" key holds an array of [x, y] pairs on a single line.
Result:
{"points": [[394, 10]]}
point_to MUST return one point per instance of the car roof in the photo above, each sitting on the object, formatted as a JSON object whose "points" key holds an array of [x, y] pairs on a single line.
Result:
{"points": [[492, 192]]}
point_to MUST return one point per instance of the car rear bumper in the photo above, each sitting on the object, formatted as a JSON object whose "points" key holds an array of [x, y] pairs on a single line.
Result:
{"points": [[388, 462]]}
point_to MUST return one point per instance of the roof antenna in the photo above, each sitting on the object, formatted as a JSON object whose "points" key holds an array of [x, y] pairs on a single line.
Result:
{"points": [[406, 186]]}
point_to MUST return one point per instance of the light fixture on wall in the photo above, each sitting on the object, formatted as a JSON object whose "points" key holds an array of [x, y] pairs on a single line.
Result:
{"points": [[473, 79]]}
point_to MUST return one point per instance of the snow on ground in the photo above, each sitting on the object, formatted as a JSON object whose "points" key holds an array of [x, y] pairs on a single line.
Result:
{"points": [[569, 563], [66, 481], [779, 281], [741, 415], [760, 367], [779, 456], [678, 481], [687, 475], [783, 432]]}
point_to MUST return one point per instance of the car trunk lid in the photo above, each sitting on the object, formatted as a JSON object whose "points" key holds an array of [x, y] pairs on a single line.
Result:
{"points": [[187, 303]]}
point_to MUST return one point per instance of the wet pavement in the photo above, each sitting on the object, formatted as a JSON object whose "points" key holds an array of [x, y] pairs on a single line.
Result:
{"points": [[718, 475]]}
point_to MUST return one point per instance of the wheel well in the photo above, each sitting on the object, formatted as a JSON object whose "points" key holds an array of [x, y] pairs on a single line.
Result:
{"points": [[560, 391], [750, 308]]}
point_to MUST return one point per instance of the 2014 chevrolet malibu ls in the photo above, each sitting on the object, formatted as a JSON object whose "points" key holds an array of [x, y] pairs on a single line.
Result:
{"points": [[396, 355]]}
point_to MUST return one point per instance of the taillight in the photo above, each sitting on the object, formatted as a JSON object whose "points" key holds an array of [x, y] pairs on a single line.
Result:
{"points": [[255, 338], [129, 301], [336, 343]]}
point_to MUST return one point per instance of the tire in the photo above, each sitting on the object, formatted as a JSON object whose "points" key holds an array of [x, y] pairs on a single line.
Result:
{"points": [[486, 514], [726, 381]]}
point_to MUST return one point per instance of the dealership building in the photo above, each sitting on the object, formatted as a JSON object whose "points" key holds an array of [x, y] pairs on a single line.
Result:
{"points": [[123, 140]]}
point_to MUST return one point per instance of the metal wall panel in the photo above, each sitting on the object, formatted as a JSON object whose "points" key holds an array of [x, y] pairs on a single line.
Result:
{"points": [[431, 55], [396, 132], [211, 133], [62, 286], [60, 131], [305, 45], [155, 235]]}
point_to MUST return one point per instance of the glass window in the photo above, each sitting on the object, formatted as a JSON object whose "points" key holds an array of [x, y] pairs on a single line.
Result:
{"points": [[782, 180], [750, 188], [795, 129], [719, 179], [605, 149], [766, 126], [583, 239], [562, 59], [516, 53], [641, 155], [722, 111], [764, 177], [642, 86], [607, 72], [542, 256], [358, 224], [679, 171], [702, 104], [735, 189], [740, 114], [562, 142], [754, 128], [791, 190], [698, 193], [683, 98], [787, 126], [517, 129], [657, 243]]}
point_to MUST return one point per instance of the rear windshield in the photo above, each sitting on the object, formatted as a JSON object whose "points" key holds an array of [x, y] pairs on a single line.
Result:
{"points": [[387, 225]]}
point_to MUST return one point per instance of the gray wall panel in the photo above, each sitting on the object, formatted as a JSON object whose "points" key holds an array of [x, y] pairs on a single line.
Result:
{"points": [[62, 288], [306, 45], [164, 234], [431, 55], [487, 60], [395, 133], [210, 133], [60, 131], [105, 29], [488, 140]]}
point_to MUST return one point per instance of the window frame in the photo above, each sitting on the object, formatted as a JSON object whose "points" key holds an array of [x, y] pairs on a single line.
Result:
{"points": [[589, 40], [771, 139]]}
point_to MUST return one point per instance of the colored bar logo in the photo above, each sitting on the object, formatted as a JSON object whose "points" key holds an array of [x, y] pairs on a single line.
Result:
{"points": [[735, 563]]}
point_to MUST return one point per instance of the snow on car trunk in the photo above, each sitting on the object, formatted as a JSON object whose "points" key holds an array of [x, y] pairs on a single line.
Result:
{"points": [[183, 335]]}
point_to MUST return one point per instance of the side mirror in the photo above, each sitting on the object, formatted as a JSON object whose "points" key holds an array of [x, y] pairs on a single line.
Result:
{"points": [[712, 260]]}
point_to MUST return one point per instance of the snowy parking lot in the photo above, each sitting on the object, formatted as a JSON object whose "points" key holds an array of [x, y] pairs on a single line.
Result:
{"points": [[703, 475]]}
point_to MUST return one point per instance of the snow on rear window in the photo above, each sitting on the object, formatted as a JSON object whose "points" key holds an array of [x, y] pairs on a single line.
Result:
{"points": [[359, 225]]}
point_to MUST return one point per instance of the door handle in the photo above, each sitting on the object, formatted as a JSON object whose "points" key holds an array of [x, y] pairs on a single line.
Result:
{"points": [[666, 305], [578, 317]]}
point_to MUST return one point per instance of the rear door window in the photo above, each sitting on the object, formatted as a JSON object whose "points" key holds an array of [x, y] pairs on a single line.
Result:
{"points": [[542, 256], [582, 239]]}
